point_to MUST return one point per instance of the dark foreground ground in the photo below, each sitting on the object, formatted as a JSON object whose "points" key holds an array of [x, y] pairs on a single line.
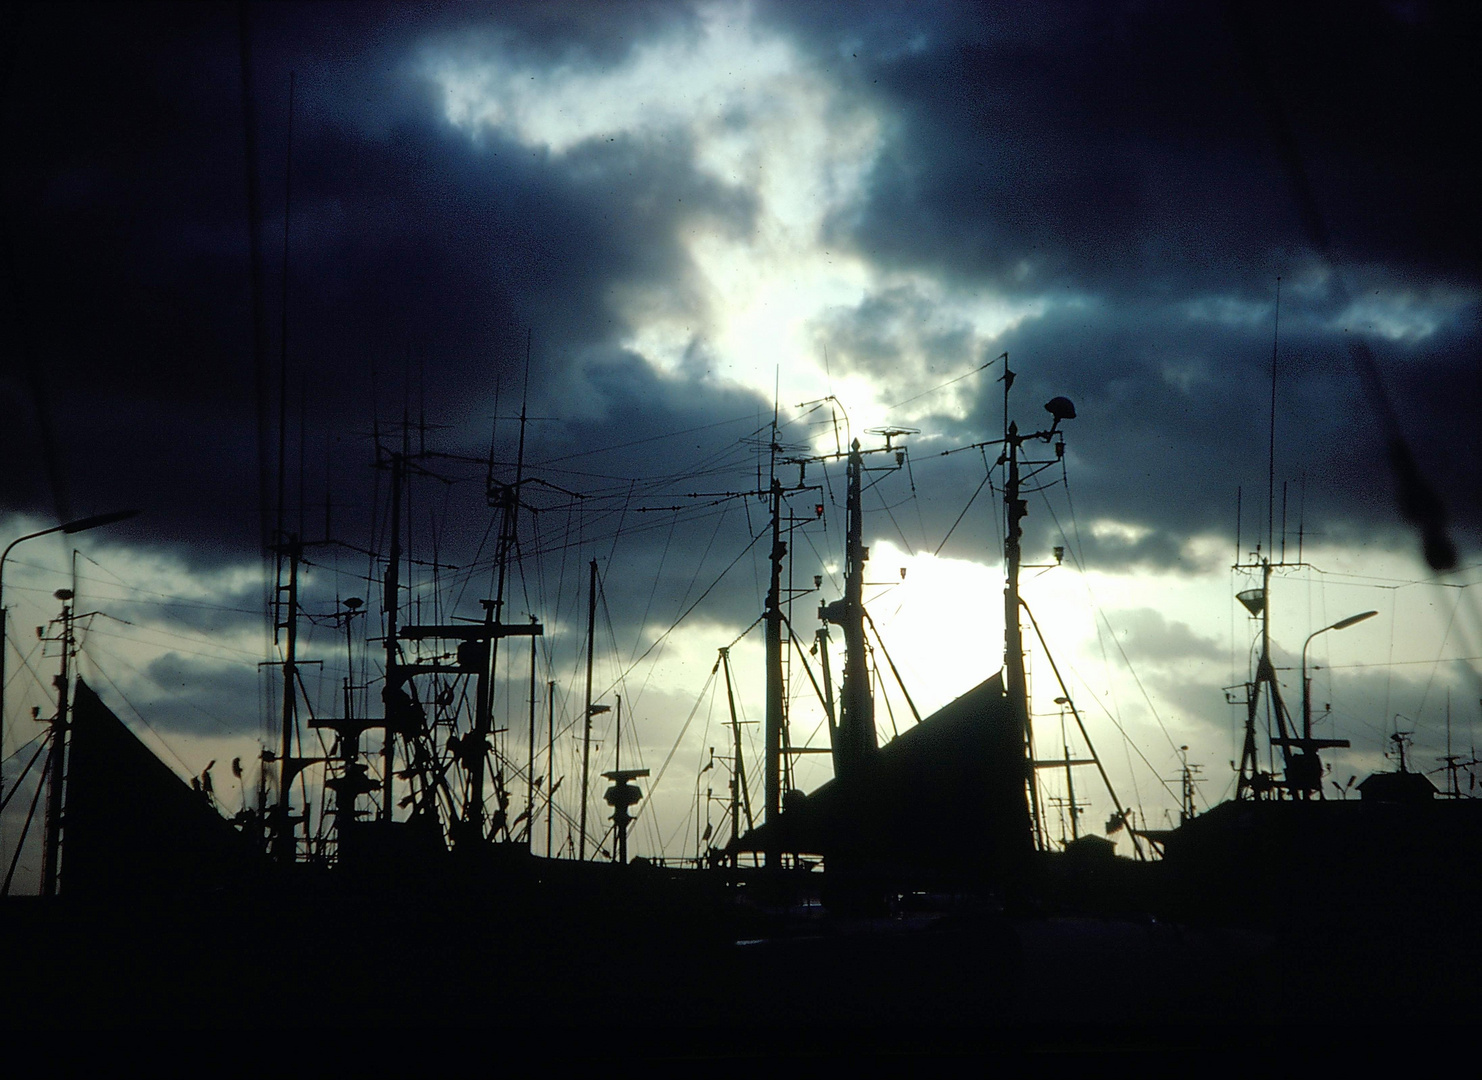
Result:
{"points": [[974, 981]]}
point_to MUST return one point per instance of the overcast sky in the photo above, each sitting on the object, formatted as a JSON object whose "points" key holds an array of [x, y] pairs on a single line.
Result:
{"points": [[680, 213]]}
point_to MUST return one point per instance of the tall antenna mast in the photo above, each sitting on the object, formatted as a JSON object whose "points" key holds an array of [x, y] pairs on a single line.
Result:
{"points": [[550, 762], [507, 498], [1015, 682], [586, 739], [854, 741], [284, 837], [1013, 657], [530, 759], [772, 772], [57, 760], [740, 793]]}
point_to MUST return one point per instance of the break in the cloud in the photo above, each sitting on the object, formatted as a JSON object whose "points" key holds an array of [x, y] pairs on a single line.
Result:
{"points": [[780, 153], [1147, 635]]}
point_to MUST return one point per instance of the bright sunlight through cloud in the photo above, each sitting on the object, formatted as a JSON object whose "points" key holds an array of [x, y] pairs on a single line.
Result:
{"points": [[762, 120]]}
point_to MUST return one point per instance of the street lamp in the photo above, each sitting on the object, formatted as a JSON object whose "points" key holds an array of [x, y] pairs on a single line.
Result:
{"points": [[80, 525], [1341, 624]]}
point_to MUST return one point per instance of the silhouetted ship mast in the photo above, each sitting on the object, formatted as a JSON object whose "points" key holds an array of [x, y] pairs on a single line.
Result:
{"points": [[953, 806]]}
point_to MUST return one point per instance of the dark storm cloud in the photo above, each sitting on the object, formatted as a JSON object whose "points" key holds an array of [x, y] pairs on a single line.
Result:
{"points": [[1127, 156], [418, 259], [1146, 634], [1092, 140], [1173, 400], [1064, 146], [875, 336], [1116, 161], [201, 697]]}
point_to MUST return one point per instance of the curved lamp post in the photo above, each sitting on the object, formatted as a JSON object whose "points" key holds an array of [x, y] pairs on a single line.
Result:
{"points": [[1341, 624], [80, 525]]}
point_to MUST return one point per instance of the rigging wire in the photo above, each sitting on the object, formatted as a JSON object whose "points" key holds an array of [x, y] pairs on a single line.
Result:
{"points": [[653, 591], [988, 481], [20, 844], [647, 439], [1430, 680], [178, 601], [699, 600], [949, 382], [1126, 738], [144, 674], [880, 684], [653, 786], [143, 629], [893, 670], [26, 666], [42, 736], [125, 699], [1102, 615]]}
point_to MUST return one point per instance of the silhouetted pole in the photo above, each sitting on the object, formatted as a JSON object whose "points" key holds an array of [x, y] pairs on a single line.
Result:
{"points": [[1246, 785], [855, 741], [1075, 832], [740, 796], [391, 603], [285, 838], [773, 618], [737, 784], [822, 640], [619, 822], [1341, 624], [473, 812], [530, 763], [1266, 673], [586, 738], [80, 525], [1013, 636], [290, 666], [550, 762], [858, 710], [52, 843]]}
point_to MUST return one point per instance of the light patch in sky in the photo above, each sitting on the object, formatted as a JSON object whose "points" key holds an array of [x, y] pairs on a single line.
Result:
{"points": [[1395, 313], [1121, 531], [769, 122], [1187, 376], [942, 624], [1206, 551], [1407, 315], [1227, 311]]}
